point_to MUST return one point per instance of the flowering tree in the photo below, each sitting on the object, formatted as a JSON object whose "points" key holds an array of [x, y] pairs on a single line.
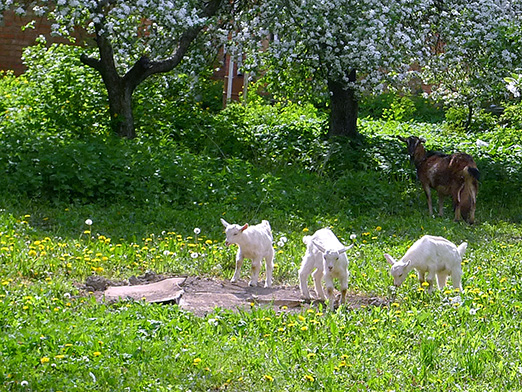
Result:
{"points": [[477, 44], [134, 39], [347, 46]]}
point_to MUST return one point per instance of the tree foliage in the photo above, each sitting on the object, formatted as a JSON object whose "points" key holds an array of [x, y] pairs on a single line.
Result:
{"points": [[476, 44]]}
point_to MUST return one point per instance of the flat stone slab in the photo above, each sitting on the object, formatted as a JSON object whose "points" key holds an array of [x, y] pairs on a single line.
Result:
{"points": [[202, 296], [164, 291]]}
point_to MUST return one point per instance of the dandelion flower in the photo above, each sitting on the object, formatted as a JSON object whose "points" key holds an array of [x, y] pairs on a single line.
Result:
{"points": [[44, 360], [88, 222], [309, 378], [353, 236], [268, 377], [194, 255], [24, 383], [197, 230]]}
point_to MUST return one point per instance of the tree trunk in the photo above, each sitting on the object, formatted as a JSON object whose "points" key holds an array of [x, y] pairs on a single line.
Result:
{"points": [[120, 109], [343, 108]]}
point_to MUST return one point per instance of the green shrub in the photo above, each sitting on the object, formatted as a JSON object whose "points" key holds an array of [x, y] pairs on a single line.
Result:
{"points": [[63, 95], [512, 116]]}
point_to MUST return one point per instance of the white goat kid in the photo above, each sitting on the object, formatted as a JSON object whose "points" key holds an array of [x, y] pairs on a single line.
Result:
{"points": [[255, 243], [327, 256], [431, 256]]}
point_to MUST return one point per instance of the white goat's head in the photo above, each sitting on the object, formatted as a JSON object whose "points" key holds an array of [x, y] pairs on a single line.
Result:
{"points": [[330, 257], [233, 232], [399, 269]]}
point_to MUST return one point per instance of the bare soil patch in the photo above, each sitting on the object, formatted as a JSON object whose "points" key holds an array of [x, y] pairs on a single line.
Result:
{"points": [[202, 295]]}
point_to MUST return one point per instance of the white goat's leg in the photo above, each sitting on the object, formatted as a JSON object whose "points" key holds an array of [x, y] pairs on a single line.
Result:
{"points": [[441, 279], [255, 269], [456, 279], [344, 291], [237, 272], [304, 273], [421, 277], [430, 279], [318, 283], [329, 291], [269, 266]]}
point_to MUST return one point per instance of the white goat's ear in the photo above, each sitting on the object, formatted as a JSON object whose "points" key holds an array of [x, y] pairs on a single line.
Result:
{"points": [[318, 246], [244, 227], [389, 258], [344, 249], [407, 263], [224, 222]]}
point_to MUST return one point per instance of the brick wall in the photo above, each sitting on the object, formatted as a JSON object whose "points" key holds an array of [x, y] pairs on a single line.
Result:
{"points": [[13, 40]]}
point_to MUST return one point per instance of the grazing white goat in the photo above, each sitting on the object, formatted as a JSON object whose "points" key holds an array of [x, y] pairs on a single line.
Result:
{"points": [[430, 256], [327, 255], [255, 243]]}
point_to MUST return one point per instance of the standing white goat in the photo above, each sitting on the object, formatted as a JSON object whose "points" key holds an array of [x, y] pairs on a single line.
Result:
{"points": [[327, 255], [255, 243], [430, 256]]}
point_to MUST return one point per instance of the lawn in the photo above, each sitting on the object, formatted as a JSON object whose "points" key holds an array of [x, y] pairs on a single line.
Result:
{"points": [[56, 337]]}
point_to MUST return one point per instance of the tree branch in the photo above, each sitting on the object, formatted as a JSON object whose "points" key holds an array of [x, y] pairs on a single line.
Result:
{"points": [[144, 67], [91, 62]]}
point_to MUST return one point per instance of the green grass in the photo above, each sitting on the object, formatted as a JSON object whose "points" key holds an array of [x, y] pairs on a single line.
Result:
{"points": [[54, 337]]}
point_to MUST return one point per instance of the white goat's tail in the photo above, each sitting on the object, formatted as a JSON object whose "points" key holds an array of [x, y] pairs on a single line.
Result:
{"points": [[267, 224], [462, 249]]}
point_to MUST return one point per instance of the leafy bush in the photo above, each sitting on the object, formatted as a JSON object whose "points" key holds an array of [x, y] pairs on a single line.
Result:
{"points": [[512, 116], [400, 108], [481, 120], [63, 95]]}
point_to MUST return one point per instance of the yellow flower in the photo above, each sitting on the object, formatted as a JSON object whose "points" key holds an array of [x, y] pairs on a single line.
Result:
{"points": [[96, 353], [378, 228], [305, 230], [301, 318], [304, 328], [425, 284], [309, 378], [268, 377], [197, 361], [44, 360]]}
